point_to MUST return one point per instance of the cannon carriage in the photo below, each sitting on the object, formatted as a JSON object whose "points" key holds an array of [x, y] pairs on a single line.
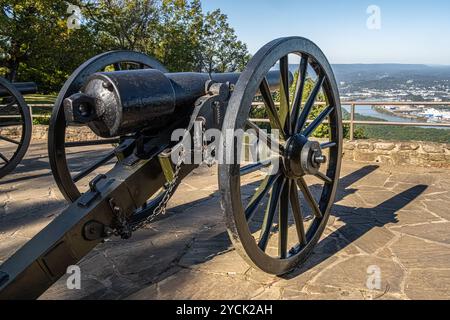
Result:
{"points": [[15, 123], [134, 105]]}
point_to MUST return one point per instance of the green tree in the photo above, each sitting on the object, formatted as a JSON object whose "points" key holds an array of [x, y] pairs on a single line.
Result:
{"points": [[222, 51], [36, 44], [177, 40], [121, 24], [176, 32]]}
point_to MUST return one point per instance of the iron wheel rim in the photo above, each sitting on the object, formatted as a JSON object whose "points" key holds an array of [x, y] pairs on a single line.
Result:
{"points": [[230, 176], [26, 132]]}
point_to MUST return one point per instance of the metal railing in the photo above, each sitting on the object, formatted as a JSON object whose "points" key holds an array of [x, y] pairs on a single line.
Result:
{"points": [[354, 104], [352, 122], [33, 115]]}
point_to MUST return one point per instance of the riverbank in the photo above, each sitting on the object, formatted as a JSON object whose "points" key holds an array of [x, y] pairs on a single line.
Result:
{"points": [[383, 110], [395, 133]]}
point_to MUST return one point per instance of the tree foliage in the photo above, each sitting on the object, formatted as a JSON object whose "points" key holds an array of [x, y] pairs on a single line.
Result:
{"points": [[222, 51], [36, 44], [121, 24]]}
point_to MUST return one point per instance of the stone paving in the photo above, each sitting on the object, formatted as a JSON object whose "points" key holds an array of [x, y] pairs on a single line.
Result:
{"points": [[394, 221]]}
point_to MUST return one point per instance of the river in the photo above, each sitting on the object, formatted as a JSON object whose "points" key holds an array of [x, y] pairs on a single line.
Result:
{"points": [[368, 111]]}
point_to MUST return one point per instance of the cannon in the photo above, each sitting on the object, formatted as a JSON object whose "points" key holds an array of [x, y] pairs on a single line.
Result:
{"points": [[134, 106], [15, 123]]}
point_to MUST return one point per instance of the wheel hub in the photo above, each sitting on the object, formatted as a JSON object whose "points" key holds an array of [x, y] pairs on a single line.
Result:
{"points": [[302, 156]]}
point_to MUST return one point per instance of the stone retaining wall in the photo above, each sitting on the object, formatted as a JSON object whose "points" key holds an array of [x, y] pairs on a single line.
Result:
{"points": [[40, 133], [398, 153], [375, 151]]}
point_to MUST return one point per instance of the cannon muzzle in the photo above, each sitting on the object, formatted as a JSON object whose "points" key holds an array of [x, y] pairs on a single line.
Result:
{"points": [[122, 102]]}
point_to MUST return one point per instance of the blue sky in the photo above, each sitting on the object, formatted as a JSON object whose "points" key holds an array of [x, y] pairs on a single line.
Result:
{"points": [[411, 31]]}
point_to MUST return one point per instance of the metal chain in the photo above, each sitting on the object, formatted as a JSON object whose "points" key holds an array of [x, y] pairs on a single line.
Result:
{"points": [[170, 186], [209, 160], [123, 229]]}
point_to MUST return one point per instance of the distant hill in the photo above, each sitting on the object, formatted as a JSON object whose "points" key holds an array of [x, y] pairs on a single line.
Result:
{"points": [[371, 72]]}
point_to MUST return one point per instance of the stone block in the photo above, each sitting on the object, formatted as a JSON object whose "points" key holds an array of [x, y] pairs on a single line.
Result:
{"points": [[421, 254], [349, 145], [423, 156], [385, 159], [363, 145], [403, 157], [387, 146], [437, 157], [432, 148], [348, 155], [428, 284], [353, 274], [365, 156], [409, 146]]}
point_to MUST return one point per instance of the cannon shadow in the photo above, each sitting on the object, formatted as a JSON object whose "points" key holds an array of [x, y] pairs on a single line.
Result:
{"points": [[199, 247], [356, 223], [78, 161]]}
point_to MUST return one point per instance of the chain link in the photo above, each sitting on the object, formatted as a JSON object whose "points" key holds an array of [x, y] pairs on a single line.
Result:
{"points": [[209, 160], [170, 186], [124, 229]]}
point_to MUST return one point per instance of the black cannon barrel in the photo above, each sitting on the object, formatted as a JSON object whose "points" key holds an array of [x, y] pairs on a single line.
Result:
{"points": [[122, 102], [22, 87]]}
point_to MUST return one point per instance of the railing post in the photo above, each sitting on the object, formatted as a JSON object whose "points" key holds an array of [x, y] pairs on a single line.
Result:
{"points": [[352, 119]]}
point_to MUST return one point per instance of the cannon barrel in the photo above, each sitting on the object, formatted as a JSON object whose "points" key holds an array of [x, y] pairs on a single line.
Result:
{"points": [[123, 102], [22, 87]]}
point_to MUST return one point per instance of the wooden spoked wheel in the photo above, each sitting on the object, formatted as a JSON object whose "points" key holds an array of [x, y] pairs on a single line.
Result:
{"points": [[275, 217], [74, 163], [15, 127]]}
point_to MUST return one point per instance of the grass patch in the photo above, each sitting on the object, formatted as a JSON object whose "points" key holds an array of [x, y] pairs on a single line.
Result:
{"points": [[40, 99]]}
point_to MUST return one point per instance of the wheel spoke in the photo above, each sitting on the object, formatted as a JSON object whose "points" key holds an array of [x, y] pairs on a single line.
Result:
{"points": [[262, 135], [5, 159], [313, 126], [94, 166], [259, 195], [323, 177], [90, 143], [270, 106], [284, 95], [11, 124], [9, 140], [255, 166], [283, 220], [327, 145], [270, 213], [9, 104], [297, 213], [299, 90], [309, 104], [309, 197]]}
